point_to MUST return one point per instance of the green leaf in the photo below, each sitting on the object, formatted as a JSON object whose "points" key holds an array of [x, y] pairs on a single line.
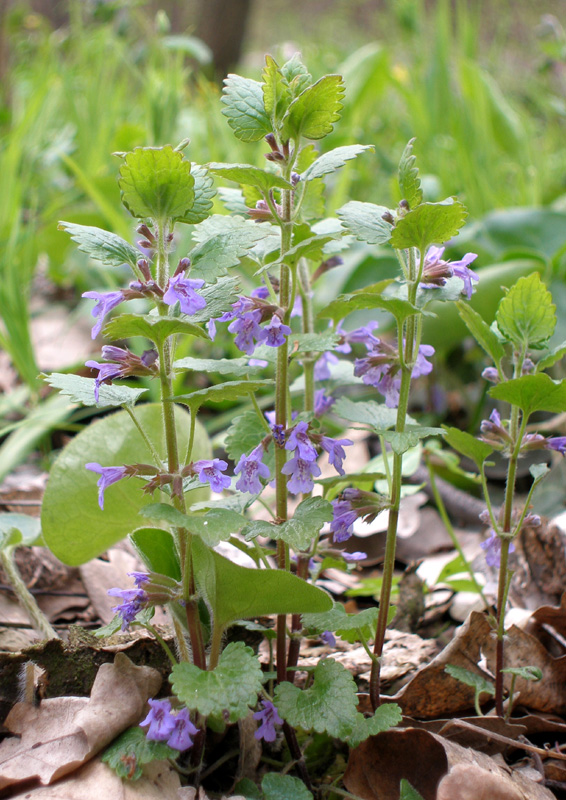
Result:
{"points": [[219, 297], [222, 250], [481, 332], [235, 592], [333, 160], [532, 393], [233, 686], [73, 525], [204, 192], [131, 750], [156, 329], [108, 248], [250, 176], [248, 790], [244, 108], [329, 704], [224, 366], [156, 182], [311, 248], [298, 532], [296, 74], [284, 787], [527, 673], [365, 221], [468, 445], [81, 390], [557, 354], [429, 223], [19, 529], [312, 114], [214, 526], [539, 471], [157, 550], [346, 626], [368, 412], [407, 791], [385, 717], [401, 442], [473, 679], [276, 91], [365, 299], [526, 315], [409, 181], [220, 393], [245, 433], [312, 342]]}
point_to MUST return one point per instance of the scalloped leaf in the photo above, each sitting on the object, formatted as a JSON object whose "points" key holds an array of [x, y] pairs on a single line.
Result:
{"points": [[365, 299], [296, 74], [368, 412], [249, 175], [429, 223], [213, 526], [276, 91], [284, 787], [100, 245], [526, 316], [365, 221], [224, 366], [334, 160], [313, 113], [156, 182], [220, 393], [156, 329], [346, 626], [557, 354], [409, 181], [300, 530], [245, 433], [81, 390], [244, 108], [219, 297], [481, 332], [204, 192], [532, 393], [233, 686], [401, 442], [386, 716], [131, 750], [328, 705], [224, 249], [234, 592]]}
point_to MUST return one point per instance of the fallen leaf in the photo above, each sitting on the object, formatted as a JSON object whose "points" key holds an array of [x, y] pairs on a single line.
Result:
{"points": [[431, 692], [58, 736]]}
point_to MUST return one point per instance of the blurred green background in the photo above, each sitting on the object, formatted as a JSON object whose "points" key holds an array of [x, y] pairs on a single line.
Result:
{"points": [[481, 85]]}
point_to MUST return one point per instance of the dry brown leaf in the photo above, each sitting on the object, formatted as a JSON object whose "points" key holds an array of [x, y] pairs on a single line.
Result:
{"points": [[431, 692], [523, 650], [58, 736], [480, 733], [95, 780], [540, 566], [435, 767], [250, 748]]}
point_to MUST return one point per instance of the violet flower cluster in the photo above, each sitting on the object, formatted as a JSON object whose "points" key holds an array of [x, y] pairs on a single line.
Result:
{"points": [[173, 727], [246, 319], [269, 717]]}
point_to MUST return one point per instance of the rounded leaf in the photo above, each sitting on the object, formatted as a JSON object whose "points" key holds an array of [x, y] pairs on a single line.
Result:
{"points": [[156, 183]]}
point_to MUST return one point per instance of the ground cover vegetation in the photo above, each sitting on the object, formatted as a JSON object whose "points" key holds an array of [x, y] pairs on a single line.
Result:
{"points": [[313, 294]]}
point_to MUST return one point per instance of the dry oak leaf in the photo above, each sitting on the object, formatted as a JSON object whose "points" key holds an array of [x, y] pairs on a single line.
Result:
{"points": [[62, 733], [431, 692], [523, 650], [95, 779]]}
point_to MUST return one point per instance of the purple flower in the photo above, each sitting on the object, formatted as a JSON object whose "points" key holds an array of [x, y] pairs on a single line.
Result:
{"points": [[299, 441], [269, 718], [108, 476], [322, 402], [126, 363], [183, 729], [134, 601], [140, 578], [363, 335], [105, 302], [557, 443], [436, 270], [322, 366], [422, 366], [328, 639], [301, 474], [492, 546], [210, 471], [252, 469], [248, 331], [160, 720], [106, 372], [357, 556], [342, 525], [276, 332], [490, 374], [335, 450], [183, 290]]}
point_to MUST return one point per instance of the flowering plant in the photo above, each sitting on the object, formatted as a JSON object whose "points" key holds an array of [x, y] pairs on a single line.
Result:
{"points": [[276, 230]]}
